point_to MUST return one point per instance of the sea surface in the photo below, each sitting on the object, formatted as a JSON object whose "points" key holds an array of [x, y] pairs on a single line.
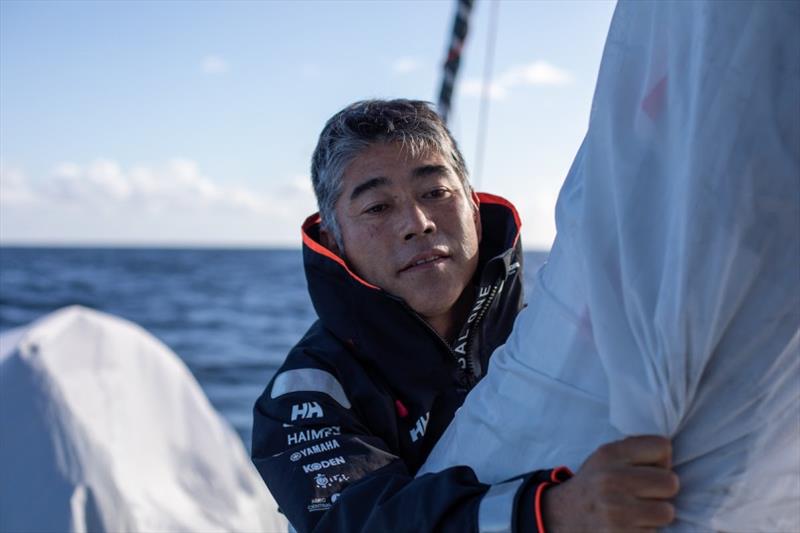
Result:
{"points": [[231, 315]]}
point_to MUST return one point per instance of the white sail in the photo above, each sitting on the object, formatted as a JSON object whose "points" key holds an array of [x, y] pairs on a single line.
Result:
{"points": [[670, 303]]}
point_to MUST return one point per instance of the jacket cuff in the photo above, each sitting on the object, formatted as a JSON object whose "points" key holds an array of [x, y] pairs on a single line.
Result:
{"points": [[530, 515]]}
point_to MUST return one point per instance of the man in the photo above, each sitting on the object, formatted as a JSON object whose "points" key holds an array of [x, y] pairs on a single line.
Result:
{"points": [[416, 280]]}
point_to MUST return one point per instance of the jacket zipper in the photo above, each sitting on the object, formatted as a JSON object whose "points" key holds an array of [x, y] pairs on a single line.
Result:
{"points": [[472, 377], [471, 373], [429, 328]]}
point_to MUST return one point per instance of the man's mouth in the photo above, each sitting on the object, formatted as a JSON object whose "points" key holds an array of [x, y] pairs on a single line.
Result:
{"points": [[421, 260]]}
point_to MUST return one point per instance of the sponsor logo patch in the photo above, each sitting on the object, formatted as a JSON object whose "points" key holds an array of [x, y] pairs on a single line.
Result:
{"points": [[315, 449], [306, 410], [307, 435], [318, 504], [324, 481], [322, 465], [419, 429]]}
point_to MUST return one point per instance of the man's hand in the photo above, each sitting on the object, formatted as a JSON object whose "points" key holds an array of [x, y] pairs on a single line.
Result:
{"points": [[622, 486]]}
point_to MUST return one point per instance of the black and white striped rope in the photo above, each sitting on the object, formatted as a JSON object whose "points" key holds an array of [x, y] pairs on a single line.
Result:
{"points": [[460, 28]]}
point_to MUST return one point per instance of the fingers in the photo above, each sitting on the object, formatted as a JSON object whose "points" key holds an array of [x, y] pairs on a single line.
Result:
{"points": [[622, 512], [647, 482], [642, 450], [624, 486], [652, 513]]}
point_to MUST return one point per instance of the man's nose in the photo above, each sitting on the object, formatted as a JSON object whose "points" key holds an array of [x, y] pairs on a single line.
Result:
{"points": [[416, 222]]}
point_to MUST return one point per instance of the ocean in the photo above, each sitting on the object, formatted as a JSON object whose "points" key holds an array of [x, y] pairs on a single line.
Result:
{"points": [[231, 315]]}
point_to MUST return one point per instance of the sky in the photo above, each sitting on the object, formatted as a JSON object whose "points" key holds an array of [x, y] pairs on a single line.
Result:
{"points": [[180, 123]]}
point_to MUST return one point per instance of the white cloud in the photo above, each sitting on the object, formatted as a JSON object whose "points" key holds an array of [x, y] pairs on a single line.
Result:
{"points": [[214, 64], [104, 176], [172, 202], [405, 65], [103, 183], [538, 73], [15, 188], [67, 170]]}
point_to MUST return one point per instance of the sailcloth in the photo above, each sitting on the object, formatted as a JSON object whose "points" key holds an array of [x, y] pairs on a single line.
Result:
{"points": [[670, 303], [103, 428]]}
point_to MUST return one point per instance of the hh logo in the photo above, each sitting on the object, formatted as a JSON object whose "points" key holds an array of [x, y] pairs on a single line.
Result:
{"points": [[306, 410], [419, 430]]}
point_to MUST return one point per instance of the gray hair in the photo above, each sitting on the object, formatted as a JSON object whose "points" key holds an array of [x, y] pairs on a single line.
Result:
{"points": [[412, 123]]}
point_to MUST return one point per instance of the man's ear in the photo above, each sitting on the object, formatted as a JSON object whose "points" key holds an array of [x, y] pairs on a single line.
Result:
{"points": [[476, 213], [327, 240]]}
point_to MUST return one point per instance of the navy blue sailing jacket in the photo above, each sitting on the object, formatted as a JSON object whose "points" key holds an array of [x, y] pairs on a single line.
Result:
{"points": [[360, 401]]}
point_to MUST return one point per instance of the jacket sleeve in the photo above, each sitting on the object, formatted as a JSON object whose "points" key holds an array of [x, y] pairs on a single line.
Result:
{"points": [[329, 473]]}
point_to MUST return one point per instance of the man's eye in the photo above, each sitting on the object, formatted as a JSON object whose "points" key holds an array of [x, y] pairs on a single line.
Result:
{"points": [[375, 209], [437, 193]]}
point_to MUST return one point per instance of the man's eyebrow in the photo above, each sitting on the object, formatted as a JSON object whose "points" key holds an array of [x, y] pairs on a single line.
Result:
{"points": [[429, 170], [367, 185]]}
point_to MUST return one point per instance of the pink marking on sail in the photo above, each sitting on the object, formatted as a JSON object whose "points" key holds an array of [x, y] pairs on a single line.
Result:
{"points": [[654, 100]]}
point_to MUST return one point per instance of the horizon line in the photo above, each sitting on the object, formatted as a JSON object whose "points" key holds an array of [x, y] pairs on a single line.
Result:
{"points": [[141, 245]]}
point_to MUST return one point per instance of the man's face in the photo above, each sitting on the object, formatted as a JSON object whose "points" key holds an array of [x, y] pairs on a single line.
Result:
{"points": [[409, 227]]}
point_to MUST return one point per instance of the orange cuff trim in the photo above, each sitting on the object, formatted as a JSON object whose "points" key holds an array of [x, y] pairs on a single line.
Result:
{"points": [[537, 505], [562, 473], [557, 475]]}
